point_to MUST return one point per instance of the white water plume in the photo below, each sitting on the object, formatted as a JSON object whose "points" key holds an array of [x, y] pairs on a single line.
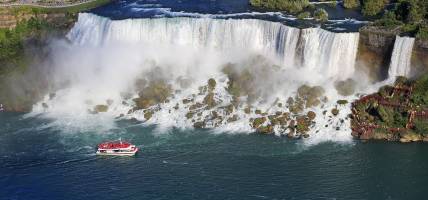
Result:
{"points": [[105, 58]]}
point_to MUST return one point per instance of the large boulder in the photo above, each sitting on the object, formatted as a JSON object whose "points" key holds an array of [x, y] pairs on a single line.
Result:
{"points": [[346, 87]]}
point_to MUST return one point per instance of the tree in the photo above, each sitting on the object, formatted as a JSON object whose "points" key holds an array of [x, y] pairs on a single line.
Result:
{"points": [[372, 7], [410, 11]]}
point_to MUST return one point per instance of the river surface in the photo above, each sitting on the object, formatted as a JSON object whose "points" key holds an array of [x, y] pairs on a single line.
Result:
{"points": [[340, 19], [40, 161]]}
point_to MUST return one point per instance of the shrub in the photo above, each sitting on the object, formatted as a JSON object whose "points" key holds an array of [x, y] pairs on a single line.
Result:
{"points": [[422, 32], [351, 3], [388, 20], [372, 7], [321, 15], [293, 6], [304, 15]]}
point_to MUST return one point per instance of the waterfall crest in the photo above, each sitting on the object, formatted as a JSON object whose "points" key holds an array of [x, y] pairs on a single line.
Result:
{"points": [[327, 53], [401, 57]]}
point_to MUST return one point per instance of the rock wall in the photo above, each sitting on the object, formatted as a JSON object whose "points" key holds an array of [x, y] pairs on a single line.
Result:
{"points": [[374, 51], [420, 56], [9, 18]]}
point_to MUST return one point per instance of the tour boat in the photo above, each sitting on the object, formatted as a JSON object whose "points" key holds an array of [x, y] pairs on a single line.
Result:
{"points": [[117, 148]]}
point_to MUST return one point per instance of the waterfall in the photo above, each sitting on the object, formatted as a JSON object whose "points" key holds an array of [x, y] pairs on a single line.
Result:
{"points": [[256, 35], [401, 57], [131, 65], [330, 54]]}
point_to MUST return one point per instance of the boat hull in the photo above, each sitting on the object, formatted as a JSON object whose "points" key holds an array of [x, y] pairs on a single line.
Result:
{"points": [[130, 153]]}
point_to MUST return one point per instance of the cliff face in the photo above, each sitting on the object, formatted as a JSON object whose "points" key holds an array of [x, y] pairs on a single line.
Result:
{"points": [[10, 18], [420, 56], [374, 51]]}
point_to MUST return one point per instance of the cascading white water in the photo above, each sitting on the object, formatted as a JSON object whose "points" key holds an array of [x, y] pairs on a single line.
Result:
{"points": [[254, 35], [401, 57], [330, 54], [107, 56]]}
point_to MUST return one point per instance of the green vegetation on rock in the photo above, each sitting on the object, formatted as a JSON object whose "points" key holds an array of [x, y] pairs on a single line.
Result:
{"points": [[304, 15], [293, 6], [12, 43], [351, 3], [372, 7], [321, 15]]}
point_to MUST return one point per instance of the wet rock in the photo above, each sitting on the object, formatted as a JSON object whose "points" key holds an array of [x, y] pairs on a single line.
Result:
{"points": [[196, 106], [186, 101], [100, 108], [410, 136], [268, 129], [342, 102], [258, 122], [297, 106], [202, 90], [214, 114], [234, 118], [141, 103], [189, 115], [302, 125], [211, 84], [335, 111], [229, 109], [310, 94], [199, 125], [209, 100], [241, 82], [282, 120], [291, 133], [345, 88], [247, 110], [311, 115], [45, 106], [148, 114]]}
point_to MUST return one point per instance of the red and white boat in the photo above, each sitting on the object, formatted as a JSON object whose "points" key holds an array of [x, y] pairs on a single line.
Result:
{"points": [[117, 148]]}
